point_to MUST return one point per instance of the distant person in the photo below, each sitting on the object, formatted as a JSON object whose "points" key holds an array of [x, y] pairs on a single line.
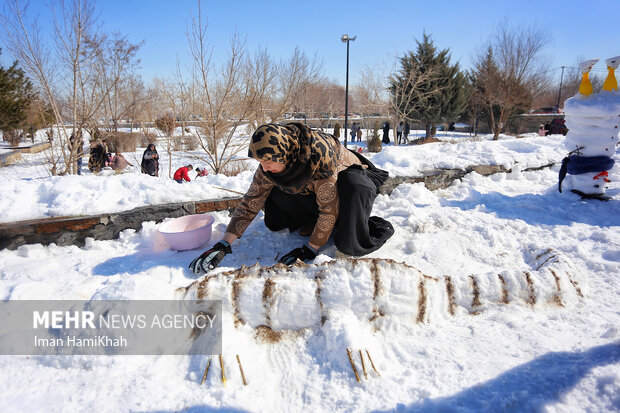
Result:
{"points": [[150, 161], [358, 133], [353, 131], [182, 174], [399, 132], [201, 172], [98, 157], [118, 162], [79, 151], [406, 130], [541, 130], [386, 133], [547, 128], [104, 143]]}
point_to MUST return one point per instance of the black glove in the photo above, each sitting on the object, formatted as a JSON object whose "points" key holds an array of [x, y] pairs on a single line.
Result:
{"points": [[211, 258], [305, 253]]}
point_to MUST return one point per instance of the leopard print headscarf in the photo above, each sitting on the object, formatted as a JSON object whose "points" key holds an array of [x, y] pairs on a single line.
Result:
{"points": [[306, 153]]}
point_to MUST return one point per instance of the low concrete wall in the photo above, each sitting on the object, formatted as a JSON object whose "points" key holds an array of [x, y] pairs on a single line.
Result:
{"points": [[75, 230], [36, 148], [15, 155], [9, 157]]}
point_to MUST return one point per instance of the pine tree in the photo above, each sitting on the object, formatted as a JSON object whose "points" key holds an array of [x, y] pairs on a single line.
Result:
{"points": [[16, 95], [428, 88]]}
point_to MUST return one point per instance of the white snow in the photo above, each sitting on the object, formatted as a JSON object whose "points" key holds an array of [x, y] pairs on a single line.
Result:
{"points": [[492, 356]]}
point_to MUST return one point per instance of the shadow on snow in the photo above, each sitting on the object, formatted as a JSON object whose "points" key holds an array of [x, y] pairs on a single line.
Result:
{"points": [[528, 387]]}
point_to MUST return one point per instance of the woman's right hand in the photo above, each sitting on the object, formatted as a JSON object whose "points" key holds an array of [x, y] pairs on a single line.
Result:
{"points": [[210, 259]]}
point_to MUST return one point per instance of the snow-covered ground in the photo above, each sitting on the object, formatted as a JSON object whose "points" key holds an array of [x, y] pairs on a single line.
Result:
{"points": [[493, 356]]}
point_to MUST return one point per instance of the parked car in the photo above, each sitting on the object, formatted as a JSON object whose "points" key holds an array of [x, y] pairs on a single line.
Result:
{"points": [[557, 126]]}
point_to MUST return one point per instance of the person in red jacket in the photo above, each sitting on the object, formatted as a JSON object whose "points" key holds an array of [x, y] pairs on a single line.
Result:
{"points": [[182, 174]]}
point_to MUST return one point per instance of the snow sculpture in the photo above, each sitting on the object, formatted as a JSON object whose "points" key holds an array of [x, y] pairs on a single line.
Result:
{"points": [[593, 121], [281, 298]]}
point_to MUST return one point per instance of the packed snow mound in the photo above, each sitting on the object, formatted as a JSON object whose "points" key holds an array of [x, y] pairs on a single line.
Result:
{"points": [[370, 289]]}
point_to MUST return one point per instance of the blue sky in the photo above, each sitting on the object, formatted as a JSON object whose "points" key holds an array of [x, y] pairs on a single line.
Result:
{"points": [[384, 29]]}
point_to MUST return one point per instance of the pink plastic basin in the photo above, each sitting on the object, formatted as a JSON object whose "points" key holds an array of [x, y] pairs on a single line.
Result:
{"points": [[188, 232]]}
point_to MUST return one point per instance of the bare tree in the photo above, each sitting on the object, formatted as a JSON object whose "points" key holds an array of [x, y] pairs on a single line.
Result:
{"points": [[71, 72], [319, 97], [293, 76], [118, 78], [228, 98], [510, 74]]}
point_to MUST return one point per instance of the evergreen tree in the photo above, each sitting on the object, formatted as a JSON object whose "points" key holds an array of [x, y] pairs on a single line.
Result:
{"points": [[16, 95], [428, 88]]}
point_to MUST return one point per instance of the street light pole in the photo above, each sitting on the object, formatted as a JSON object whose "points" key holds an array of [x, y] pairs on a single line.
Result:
{"points": [[346, 39], [560, 93]]}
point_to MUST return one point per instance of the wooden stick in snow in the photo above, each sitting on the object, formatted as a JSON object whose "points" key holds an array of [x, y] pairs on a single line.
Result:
{"points": [[222, 367], [229, 190], [372, 364], [245, 383], [363, 365], [353, 365], [204, 376]]}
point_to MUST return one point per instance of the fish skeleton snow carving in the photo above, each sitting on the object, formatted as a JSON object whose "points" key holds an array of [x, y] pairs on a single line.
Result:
{"points": [[303, 296]]}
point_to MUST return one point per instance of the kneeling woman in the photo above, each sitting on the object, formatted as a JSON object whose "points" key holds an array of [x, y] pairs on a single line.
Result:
{"points": [[307, 179]]}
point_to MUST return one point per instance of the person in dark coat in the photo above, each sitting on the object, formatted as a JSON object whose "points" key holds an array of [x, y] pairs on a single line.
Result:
{"points": [[406, 130], [98, 157], [353, 132], [150, 161], [386, 133], [307, 178]]}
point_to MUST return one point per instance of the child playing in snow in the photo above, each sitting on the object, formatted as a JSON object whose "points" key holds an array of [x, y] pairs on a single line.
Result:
{"points": [[181, 174]]}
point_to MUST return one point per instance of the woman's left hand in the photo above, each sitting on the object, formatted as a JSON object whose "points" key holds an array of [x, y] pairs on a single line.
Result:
{"points": [[305, 254]]}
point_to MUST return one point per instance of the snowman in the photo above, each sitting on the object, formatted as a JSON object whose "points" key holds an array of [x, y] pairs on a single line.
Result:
{"points": [[593, 120]]}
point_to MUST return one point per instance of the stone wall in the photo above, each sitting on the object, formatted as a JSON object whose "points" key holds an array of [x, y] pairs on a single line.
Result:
{"points": [[9, 157], [75, 230]]}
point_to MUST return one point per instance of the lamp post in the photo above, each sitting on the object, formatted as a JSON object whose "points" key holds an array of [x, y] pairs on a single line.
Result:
{"points": [[560, 93], [346, 39]]}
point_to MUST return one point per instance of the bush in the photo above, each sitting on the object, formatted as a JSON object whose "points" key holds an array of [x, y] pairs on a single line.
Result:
{"points": [[374, 143], [235, 168], [123, 141], [13, 137], [337, 130], [147, 138], [184, 143], [166, 124], [190, 142]]}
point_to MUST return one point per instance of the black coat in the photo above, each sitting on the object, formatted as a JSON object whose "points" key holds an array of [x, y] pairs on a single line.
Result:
{"points": [[386, 133], [356, 232], [150, 162]]}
